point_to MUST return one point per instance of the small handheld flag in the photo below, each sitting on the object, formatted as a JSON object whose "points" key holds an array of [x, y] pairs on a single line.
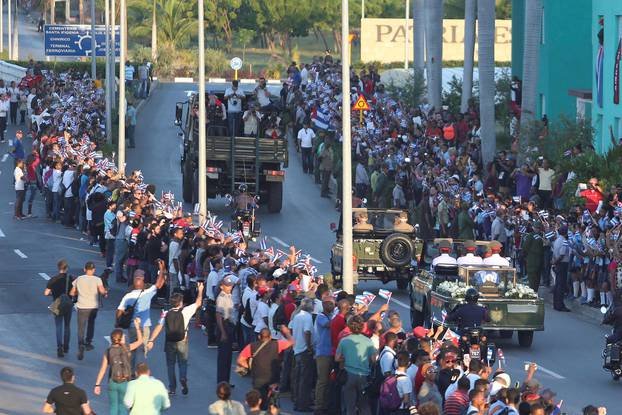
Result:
{"points": [[386, 294]]}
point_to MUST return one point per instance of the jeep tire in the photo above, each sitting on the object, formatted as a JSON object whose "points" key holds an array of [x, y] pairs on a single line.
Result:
{"points": [[396, 250]]}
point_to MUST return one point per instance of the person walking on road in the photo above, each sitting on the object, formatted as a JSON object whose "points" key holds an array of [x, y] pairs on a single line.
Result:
{"points": [[143, 78], [20, 188], [88, 288], [32, 162], [109, 231], [139, 299], [175, 321], [4, 112], [326, 167], [130, 123], [146, 394], [18, 152], [301, 326], [57, 286], [226, 321], [305, 138], [67, 398], [117, 357]]}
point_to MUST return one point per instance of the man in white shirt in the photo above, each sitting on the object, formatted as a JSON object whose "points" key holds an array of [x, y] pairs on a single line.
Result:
{"points": [[234, 98], [4, 112], [69, 199], [470, 258], [387, 355], [545, 186], [263, 95], [302, 381], [249, 302], [361, 179], [444, 259], [174, 250], [176, 343], [140, 299], [496, 260], [251, 121], [260, 317], [305, 139], [404, 383]]}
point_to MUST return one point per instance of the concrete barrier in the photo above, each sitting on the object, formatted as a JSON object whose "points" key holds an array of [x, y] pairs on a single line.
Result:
{"points": [[10, 72]]}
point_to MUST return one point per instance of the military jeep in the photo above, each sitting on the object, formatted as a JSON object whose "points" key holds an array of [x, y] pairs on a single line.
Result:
{"points": [[511, 306], [380, 252]]}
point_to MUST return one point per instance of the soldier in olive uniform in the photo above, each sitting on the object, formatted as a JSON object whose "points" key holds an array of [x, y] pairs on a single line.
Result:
{"points": [[533, 252]]}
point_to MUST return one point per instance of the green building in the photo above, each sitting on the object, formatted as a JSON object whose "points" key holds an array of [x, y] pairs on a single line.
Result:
{"points": [[606, 113], [565, 62]]}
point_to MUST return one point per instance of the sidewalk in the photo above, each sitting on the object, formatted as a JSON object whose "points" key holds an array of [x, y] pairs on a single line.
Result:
{"points": [[590, 314]]}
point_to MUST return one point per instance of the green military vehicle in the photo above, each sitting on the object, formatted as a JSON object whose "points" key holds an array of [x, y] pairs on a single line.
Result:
{"points": [[512, 306], [381, 251], [258, 162]]}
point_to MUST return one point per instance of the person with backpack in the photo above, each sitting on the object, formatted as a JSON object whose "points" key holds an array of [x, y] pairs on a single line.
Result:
{"points": [[137, 303], [117, 360], [396, 390], [262, 359], [59, 286], [175, 323]]}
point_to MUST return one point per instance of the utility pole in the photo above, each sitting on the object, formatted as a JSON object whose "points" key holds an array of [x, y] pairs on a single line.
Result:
{"points": [[16, 34], [10, 30], [109, 78], [93, 43], [122, 103], [113, 62], [406, 32], [202, 140], [1, 26], [346, 112]]}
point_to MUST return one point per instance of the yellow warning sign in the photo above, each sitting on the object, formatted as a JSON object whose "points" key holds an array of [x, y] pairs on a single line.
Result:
{"points": [[361, 104]]}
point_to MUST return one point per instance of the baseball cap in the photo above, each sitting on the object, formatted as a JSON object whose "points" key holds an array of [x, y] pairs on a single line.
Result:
{"points": [[420, 332], [228, 281], [263, 290]]}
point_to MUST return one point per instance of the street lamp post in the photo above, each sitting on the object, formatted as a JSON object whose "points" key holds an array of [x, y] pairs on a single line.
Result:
{"points": [[202, 139], [10, 31], [122, 103], [406, 32], [346, 198], [16, 34], [113, 61], [93, 42], [1, 26], [109, 78]]}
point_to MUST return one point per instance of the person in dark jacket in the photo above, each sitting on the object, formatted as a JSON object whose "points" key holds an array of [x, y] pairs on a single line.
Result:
{"points": [[470, 314]]}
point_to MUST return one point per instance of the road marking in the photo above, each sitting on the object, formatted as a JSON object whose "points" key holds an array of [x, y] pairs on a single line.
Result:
{"points": [[2, 235], [44, 276], [278, 241], [20, 253], [548, 372], [401, 304], [107, 338], [6, 156], [317, 261]]}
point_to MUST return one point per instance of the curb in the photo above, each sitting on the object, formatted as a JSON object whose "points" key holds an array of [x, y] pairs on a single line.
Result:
{"points": [[154, 85], [585, 312]]}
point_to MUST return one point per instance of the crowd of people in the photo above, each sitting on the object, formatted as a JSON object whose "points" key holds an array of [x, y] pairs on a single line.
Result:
{"points": [[295, 336]]}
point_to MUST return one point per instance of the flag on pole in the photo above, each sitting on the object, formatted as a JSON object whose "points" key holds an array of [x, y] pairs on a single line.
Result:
{"points": [[369, 296], [501, 357], [386, 294], [444, 316], [452, 336]]}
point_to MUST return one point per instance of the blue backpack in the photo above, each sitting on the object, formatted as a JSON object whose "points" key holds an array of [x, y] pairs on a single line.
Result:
{"points": [[390, 399]]}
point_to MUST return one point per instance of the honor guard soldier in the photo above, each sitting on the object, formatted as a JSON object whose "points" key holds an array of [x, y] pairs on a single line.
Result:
{"points": [[469, 258], [496, 260], [444, 259]]}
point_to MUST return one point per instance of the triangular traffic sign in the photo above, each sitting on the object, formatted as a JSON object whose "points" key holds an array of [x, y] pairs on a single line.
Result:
{"points": [[361, 104]]}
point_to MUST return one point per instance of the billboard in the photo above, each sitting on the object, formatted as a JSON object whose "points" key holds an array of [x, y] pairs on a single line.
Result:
{"points": [[383, 40], [75, 40]]}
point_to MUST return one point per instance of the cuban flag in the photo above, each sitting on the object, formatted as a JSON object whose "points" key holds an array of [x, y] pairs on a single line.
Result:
{"points": [[369, 296], [451, 336], [386, 294], [263, 244], [336, 293], [443, 316], [322, 119], [501, 357], [360, 300]]}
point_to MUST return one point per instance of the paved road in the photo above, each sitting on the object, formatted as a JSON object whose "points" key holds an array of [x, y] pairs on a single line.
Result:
{"points": [[569, 349]]}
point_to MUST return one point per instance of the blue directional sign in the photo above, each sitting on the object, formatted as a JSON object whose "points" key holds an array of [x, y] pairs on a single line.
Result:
{"points": [[75, 40]]}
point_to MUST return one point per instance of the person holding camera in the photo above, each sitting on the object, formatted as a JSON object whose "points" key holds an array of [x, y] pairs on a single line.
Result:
{"points": [[234, 98]]}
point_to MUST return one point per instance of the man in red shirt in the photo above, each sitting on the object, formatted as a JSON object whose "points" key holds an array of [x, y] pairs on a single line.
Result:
{"points": [[458, 401], [338, 323], [593, 195]]}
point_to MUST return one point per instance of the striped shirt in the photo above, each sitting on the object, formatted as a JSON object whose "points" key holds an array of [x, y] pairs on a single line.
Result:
{"points": [[456, 403]]}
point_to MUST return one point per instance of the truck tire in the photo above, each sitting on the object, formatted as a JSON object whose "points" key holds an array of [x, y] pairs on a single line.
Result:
{"points": [[402, 284], [416, 317], [188, 182], [525, 338], [396, 250], [275, 197]]}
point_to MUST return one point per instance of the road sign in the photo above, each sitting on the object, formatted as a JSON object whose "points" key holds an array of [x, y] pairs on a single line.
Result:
{"points": [[361, 104], [75, 40], [236, 64]]}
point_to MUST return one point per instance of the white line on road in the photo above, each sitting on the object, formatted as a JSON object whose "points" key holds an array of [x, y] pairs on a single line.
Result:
{"points": [[317, 261], [44, 276], [2, 235], [548, 372], [279, 241], [401, 304], [20, 253], [6, 156]]}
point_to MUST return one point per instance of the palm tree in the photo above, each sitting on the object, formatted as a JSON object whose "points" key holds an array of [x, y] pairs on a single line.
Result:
{"points": [[434, 49], [531, 57], [418, 35], [486, 64], [177, 22], [469, 50], [154, 32]]}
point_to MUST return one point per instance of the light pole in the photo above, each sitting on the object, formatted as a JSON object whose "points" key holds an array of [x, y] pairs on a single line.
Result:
{"points": [[113, 61], [202, 140], [346, 197], [362, 9], [16, 34], [93, 42], [1, 26], [122, 107], [10, 30], [406, 31], [109, 78]]}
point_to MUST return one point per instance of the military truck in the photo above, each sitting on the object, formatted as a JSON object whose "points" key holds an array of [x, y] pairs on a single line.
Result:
{"points": [[381, 253], [512, 306], [257, 162]]}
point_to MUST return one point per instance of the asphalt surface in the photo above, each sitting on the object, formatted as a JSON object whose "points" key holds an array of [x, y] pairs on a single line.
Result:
{"points": [[568, 350]]}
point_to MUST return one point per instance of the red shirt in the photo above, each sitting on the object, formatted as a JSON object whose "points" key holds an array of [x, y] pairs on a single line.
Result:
{"points": [[456, 403], [337, 324], [592, 198]]}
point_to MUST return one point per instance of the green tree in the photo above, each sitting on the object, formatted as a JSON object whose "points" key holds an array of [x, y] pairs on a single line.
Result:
{"points": [[176, 21], [220, 16]]}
